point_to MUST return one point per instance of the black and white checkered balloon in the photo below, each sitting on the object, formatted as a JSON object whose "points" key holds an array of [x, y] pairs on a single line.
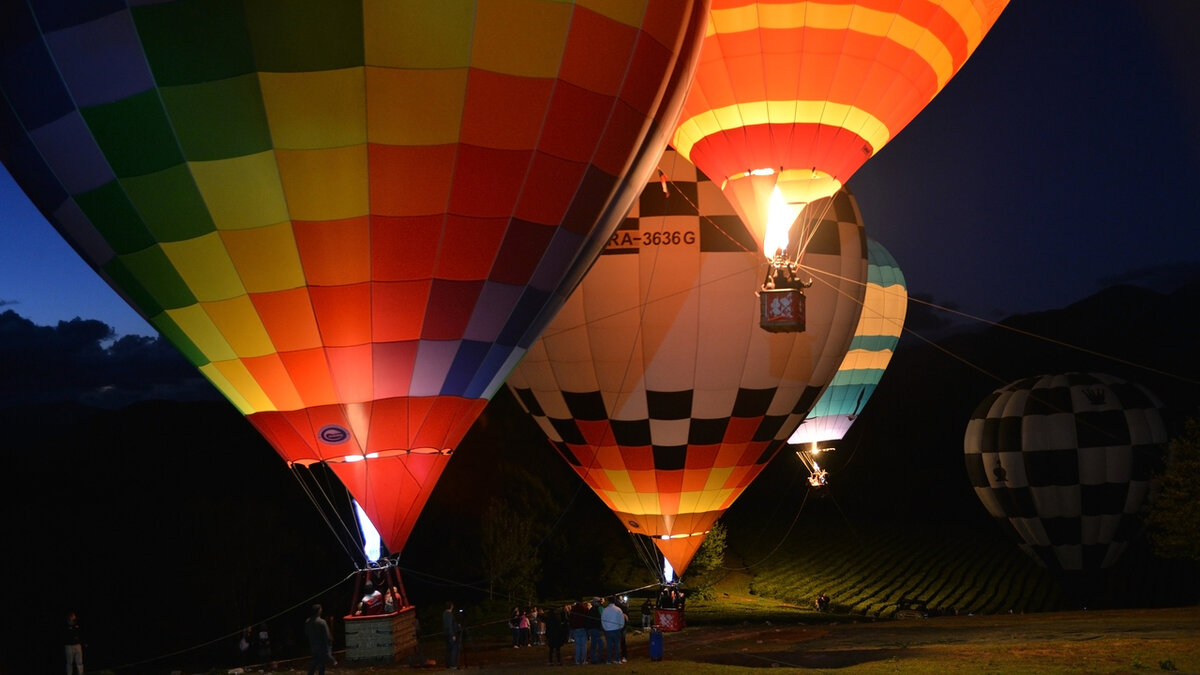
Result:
{"points": [[1064, 463]]}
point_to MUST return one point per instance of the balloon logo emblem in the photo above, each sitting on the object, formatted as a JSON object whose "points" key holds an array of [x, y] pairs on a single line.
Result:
{"points": [[334, 434]]}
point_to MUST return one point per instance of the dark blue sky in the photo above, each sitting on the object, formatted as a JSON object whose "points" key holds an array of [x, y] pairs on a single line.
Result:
{"points": [[1065, 156]]}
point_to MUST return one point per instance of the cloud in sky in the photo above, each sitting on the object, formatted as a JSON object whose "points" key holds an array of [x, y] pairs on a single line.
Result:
{"points": [[79, 361]]}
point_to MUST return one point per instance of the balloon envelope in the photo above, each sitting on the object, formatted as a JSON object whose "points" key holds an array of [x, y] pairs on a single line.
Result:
{"points": [[798, 95], [884, 307], [352, 217], [655, 381], [1064, 463]]}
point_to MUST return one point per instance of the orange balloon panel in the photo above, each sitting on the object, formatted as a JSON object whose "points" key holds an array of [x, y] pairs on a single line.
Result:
{"points": [[655, 381], [798, 95], [352, 217], [681, 548]]}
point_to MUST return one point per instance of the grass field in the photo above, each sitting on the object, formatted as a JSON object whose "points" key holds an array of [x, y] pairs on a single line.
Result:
{"points": [[740, 631], [744, 633], [870, 570], [1010, 615]]}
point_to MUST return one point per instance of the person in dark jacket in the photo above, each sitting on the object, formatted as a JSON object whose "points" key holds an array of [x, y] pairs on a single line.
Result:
{"points": [[647, 614], [556, 633], [452, 630], [73, 644], [320, 641], [595, 632]]}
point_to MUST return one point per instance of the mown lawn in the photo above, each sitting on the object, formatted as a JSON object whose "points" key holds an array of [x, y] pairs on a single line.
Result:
{"points": [[750, 637]]}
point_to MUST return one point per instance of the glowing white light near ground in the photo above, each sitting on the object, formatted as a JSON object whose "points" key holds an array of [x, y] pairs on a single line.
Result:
{"points": [[668, 571], [372, 544], [780, 216]]}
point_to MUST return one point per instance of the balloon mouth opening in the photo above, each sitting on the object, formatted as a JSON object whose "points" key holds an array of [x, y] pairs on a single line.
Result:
{"points": [[681, 536], [383, 454], [772, 200]]}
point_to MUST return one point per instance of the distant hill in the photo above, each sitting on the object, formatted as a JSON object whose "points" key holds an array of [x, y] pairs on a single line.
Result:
{"points": [[900, 468], [912, 429]]}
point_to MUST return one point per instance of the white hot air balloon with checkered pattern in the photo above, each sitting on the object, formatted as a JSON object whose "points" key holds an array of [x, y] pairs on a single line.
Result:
{"points": [[1065, 462], [655, 381]]}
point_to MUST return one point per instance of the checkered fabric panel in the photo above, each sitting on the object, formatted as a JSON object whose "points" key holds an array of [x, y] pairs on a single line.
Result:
{"points": [[1065, 462]]}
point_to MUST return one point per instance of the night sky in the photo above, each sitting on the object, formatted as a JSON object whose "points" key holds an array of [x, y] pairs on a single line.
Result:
{"points": [[1063, 158]]}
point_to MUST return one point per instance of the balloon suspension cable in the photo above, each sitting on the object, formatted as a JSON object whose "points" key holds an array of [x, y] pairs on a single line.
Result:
{"points": [[383, 573], [782, 539], [329, 512], [229, 636], [649, 555], [717, 279], [806, 233], [995, 324], [782, 272], [665, 180]]}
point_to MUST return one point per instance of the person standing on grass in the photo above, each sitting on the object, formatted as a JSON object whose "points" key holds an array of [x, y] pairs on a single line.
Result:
{"points": [[453, 632], [73, 645], [514, 625], [612, 620], [595, 631], [320, 641], [523, 629], [556, 633], [579, 630]]}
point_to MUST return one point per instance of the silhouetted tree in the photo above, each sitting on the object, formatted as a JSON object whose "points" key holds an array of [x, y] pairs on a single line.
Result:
{"points": [[708, 565], [1174, 518], [509, 560]]}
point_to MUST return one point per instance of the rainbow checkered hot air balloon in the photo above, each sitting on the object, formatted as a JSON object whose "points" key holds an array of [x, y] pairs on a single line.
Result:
{"points": [[352, 216]]}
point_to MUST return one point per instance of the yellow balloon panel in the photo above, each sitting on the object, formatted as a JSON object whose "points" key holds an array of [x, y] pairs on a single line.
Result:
{"points": [[318, 109]]}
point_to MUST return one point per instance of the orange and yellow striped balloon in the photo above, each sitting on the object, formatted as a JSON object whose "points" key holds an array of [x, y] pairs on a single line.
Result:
{"points": [[798, 95]]}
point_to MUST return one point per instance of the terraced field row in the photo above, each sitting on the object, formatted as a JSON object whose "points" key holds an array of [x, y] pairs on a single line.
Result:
{"points": [[870, 571]]}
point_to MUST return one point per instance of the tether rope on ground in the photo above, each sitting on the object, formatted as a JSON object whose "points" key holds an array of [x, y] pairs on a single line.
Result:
{"points": [[236, 633]]}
